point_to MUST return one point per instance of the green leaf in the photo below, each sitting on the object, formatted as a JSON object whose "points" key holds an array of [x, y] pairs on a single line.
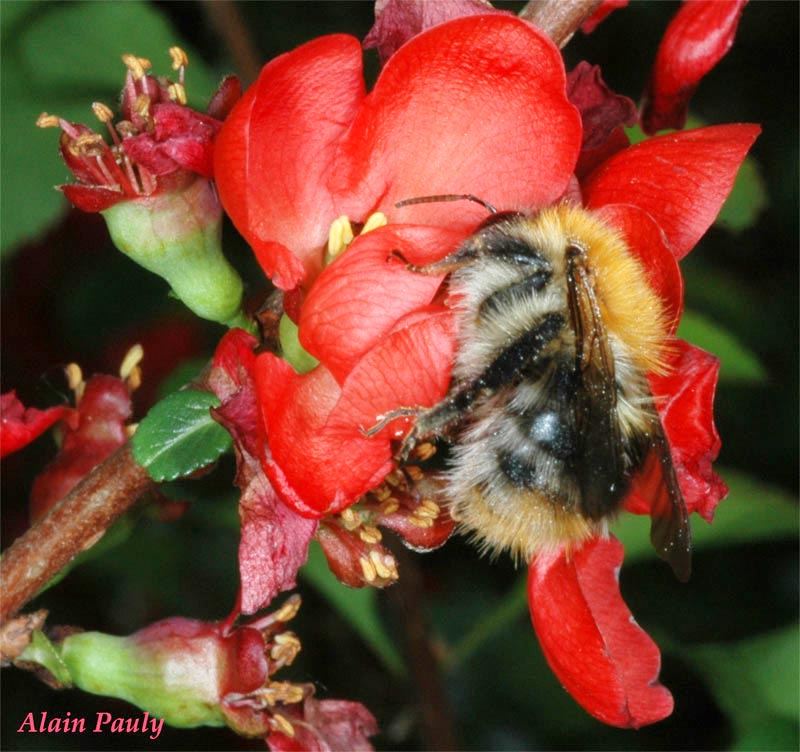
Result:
{"points": [[179, 436], [755, 678], [737, 363], [357, 606], [748, 197], [60, 57]]}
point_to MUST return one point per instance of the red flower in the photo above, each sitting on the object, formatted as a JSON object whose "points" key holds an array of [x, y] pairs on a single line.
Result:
{"points": [[697, 38], [305, 146], [605, 8], [156, 146]]}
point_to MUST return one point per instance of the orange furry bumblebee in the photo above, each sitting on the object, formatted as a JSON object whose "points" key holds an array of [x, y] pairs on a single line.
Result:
{"points": [[550, 409]]}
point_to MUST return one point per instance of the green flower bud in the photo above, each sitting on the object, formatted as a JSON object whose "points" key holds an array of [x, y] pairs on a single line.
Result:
{"points": [[177, 235]]}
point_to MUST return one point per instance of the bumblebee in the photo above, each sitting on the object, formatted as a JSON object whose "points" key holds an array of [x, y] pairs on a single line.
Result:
{"points": [[550, 412]]}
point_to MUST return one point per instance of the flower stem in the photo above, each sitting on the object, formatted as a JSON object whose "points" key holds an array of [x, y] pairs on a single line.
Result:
{"points": [[559, 19], [72, 525]]}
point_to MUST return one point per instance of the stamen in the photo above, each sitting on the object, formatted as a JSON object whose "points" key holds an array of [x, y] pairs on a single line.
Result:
{"points": [[339, 237], [390, 506], [282, 692], [138, 66], [374, 221], [283, 725], [368, 569], [126, 128], [131, 429], [288, 610], [48, 121], [129, 368], [109, 178], [106, 115], [88, 145], [414, 472], [425, 450], [142, 107], [382, 492], [177, 93], [370, 534], [350, 519], [285, 649], [179, 58], [385, 565], [75, 380]]}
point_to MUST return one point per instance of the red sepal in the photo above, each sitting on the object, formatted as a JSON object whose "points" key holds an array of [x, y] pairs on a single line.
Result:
{"points": [[275, 539], [697, 38], [397, 21], [20, 425], [680, 179], [605, 8], [91, 198], [599, 653], [222, 100]]}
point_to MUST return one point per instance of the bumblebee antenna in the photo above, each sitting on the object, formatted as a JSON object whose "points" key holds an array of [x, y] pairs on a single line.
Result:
{"points": [[447, 197]]}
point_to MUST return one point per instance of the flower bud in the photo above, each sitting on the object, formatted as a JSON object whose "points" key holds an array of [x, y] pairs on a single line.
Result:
{"points": [[177, 235]]}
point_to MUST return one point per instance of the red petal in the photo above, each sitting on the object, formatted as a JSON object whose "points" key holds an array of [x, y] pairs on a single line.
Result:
{"points": [[648, 244], [20, 425], [397, 21], [591, 158], [102, 414], [697, 38], [321, 462], [680, 179], [275, 151], [355, 302], [476, 105], [327, 726], [599, 653], [685, 401], [603, 10], [90, 198]]}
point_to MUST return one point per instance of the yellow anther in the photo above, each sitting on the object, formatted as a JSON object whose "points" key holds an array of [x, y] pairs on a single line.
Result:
{"points": [[424, 451], [390, 506], [131, 429], [282, 692], [428, 508], [384, 564], [420, 521], [370, 534], [138, 66], [285, 649], [88, 145], [374, 221], [126, 128], [339, 237], [283, 725], [288, 610], [350, 519], [177, 93], [395, 479], [368, 569], [132, 359], [382, 493], [179, 58], [48, 121], [142, 106], [75, 379], [102, 112], [414, 472]]}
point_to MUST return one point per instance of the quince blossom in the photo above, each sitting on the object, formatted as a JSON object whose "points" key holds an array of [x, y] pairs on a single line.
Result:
{"points": [[477, 105]]}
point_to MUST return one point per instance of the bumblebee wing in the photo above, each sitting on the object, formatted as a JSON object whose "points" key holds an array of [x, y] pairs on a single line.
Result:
{"points": [[670, 531], [600, 460]]}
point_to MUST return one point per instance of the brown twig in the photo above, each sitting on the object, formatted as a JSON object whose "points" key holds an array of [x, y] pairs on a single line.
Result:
{"points": [[559, 19], [227, 22], [72, 525]]}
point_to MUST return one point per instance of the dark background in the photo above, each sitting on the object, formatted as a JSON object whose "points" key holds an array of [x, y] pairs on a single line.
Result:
{"points": [[729, 649]]}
